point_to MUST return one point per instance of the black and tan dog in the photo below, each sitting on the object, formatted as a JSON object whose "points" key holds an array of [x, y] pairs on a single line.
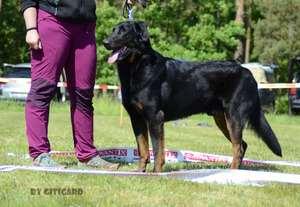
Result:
{"points": [[156, 89]]}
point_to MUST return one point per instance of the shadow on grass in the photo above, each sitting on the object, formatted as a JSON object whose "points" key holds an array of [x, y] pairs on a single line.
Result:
{"points": [[72, 162]]}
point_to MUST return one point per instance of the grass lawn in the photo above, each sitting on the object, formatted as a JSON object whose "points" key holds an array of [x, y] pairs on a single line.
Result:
{"points": [[15, 188]]}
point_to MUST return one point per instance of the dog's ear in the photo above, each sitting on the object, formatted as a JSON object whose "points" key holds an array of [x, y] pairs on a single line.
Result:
{"points": [[141, 29]]}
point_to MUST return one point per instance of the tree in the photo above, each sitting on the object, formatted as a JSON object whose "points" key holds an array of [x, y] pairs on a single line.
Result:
{"points": [[184, 29], [108, 15], [277, 36], [193, 29], [13, 48], [249, 31], [239, 19]]}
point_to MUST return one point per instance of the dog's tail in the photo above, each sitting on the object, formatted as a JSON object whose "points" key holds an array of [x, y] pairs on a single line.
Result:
{"points": [[262, 128]]}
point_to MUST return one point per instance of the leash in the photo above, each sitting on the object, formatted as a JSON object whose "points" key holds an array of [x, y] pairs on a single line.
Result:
{"points": [[128, 10]]}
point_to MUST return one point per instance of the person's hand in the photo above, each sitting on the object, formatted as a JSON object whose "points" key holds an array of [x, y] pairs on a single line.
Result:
{"points": [[33, 39]]}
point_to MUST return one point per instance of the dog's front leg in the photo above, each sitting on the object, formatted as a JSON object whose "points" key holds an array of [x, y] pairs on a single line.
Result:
{"points": [[156, 128], [140, 129]]}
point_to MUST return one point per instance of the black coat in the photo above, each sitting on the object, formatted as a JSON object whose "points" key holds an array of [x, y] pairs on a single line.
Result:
{"points": [[73, 10]]}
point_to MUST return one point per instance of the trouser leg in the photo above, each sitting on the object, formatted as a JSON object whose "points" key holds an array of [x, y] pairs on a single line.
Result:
{"points": [[37, 116], [81, 70], [46, 66]]}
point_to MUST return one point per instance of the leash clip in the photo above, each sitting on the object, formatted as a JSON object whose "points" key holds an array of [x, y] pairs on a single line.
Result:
{"points": [[130, 13]]}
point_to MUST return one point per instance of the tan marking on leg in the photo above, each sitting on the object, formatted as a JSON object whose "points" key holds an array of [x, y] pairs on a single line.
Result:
{"points": [[143, 148], [158, 141], [221, 123], [236, 140], [160, 156]]}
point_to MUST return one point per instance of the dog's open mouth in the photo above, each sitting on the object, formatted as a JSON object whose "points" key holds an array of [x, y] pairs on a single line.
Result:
{"points": [[116, 54]]}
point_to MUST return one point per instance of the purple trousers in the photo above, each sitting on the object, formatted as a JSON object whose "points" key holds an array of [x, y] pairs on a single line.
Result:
{"points": [[71, 46]]}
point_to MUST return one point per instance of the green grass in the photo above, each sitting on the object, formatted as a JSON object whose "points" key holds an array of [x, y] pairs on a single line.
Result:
{"points": [[136, 191]]}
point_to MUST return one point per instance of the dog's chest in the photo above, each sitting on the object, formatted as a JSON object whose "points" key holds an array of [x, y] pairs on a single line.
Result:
{"points": [[139, 101], [138, 104], [135, 100]]}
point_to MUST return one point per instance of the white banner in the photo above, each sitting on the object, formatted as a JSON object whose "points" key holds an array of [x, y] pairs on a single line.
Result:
{"points": [[218, 176], [130, 155]]}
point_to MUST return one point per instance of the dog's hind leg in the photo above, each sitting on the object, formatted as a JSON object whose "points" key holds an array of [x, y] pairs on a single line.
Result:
{"points": [[235, 130], [220, 121], [140, 129], [156, 128]]}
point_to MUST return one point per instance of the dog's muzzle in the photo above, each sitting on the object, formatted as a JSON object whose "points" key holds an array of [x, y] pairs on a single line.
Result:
{"points": [[116, 54]]}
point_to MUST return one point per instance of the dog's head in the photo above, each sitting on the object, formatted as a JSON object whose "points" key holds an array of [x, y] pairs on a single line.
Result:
{"points": [[127, 39]]}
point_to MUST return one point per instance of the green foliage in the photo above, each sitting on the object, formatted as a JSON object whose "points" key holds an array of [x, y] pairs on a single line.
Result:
{"points": [[197, 30], [277, 35], [12, 34], [193, 30], [184, 29], [108, 16], [282, 105]]}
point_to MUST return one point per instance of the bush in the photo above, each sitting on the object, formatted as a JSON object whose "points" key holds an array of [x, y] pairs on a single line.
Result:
{"points": [[282, 104], [177, 29], [191, 30]]}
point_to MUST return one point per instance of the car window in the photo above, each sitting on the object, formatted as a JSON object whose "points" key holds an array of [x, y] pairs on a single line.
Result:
{"points": [[17, 73]]}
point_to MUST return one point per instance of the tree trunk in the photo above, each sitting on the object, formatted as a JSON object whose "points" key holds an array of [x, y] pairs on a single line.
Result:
{"points": [[239, 18], [290, 69], [0, 5], [248, 32]]}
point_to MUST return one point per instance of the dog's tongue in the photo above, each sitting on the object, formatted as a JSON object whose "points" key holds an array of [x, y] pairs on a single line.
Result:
{"points": [[113, 58]]}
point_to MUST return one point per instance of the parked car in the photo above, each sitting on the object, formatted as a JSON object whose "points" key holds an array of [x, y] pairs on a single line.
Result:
{"points": [[294, 96], [19, 81], [18, 84], [263, 74], [294, 93]]}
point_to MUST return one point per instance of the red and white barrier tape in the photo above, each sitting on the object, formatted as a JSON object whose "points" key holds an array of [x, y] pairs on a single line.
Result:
{"points": [[130, 155], [105, 87], [4, 80], [278, 85]]}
